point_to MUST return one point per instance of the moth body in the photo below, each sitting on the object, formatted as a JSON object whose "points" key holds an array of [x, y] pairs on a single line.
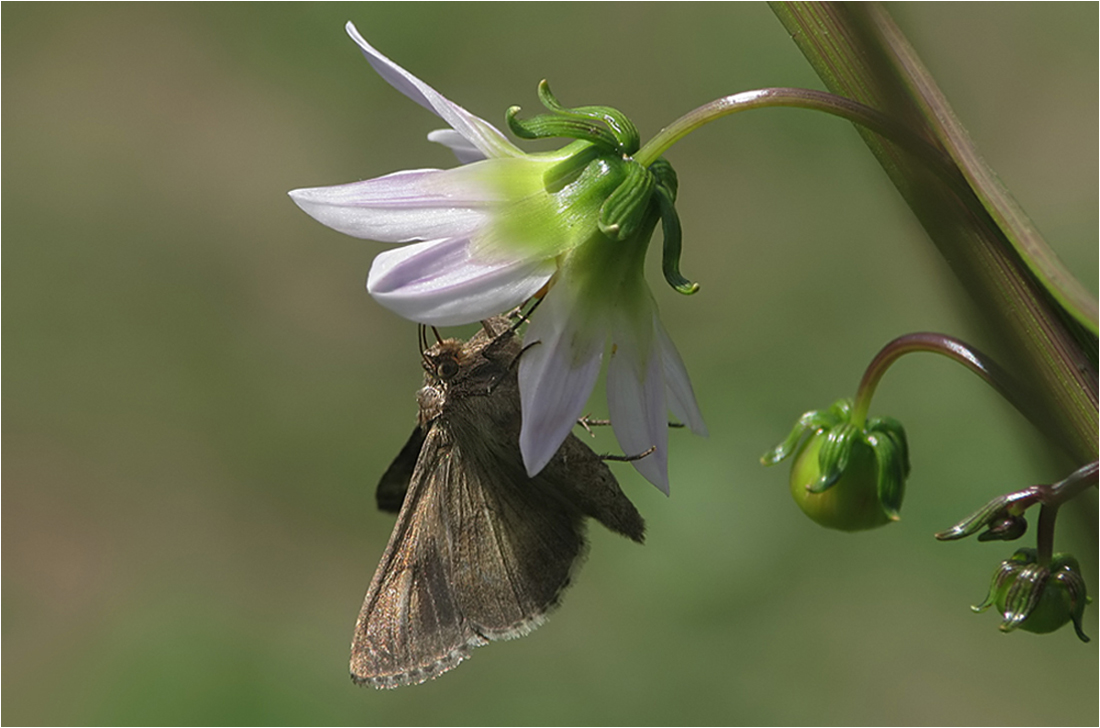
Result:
{"points": [[480, 551]]}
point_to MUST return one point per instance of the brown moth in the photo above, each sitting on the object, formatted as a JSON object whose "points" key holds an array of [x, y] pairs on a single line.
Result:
{"points": [[480, 551]]}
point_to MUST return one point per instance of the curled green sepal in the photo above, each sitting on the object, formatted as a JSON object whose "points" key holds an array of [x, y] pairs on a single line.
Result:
{"points": [[622, 129], [809, 421], [624, 210], [600, 125], [887, 439], [666, 177], [844, 475], [548, 126], [832, 458], [1038, 598], [670, 231]]}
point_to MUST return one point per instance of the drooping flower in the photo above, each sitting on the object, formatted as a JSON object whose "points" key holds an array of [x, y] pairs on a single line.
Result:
{"points": [[485, 237]]}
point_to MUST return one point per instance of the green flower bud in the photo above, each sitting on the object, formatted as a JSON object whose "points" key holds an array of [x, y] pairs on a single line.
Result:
{"points": [[1038, 598], [846, 476]]}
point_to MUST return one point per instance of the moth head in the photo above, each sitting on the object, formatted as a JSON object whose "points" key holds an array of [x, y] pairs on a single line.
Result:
{"points": [[445, 364], [444, 361], [441, 360]]}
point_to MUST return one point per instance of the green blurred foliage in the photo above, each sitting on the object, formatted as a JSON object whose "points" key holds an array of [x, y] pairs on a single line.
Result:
{"points": [[201, 395]]}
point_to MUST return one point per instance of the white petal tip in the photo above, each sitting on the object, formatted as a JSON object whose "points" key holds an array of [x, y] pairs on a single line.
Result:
{"points": [[663, 487], [656, 473], [534, 458]]}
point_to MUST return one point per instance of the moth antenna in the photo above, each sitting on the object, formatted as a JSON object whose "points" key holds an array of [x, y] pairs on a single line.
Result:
{"points": [[438, 338], [422, 335]]}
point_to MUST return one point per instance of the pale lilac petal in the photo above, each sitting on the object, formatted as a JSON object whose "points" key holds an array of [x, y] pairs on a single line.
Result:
{"points": [[438, 282], [479, 132], [556, 377], [681, 395], [460, 145], [419, 204], [636, 403]]}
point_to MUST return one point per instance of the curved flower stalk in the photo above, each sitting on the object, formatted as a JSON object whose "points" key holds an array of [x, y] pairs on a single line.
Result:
{"points": [[571, 225]]}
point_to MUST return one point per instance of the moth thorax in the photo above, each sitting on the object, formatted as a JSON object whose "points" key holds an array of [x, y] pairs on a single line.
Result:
{"points": [[430, 398]]}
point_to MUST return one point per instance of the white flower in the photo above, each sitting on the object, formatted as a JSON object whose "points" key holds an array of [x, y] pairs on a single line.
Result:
{"points": [[486, 236]]}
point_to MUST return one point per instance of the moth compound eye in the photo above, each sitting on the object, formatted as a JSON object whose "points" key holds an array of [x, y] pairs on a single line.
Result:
{"points": [[446, 367]]}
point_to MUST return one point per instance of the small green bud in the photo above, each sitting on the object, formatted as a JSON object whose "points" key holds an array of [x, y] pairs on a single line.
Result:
{"points": [[845, 476], [850, 502], [1037, 598]]}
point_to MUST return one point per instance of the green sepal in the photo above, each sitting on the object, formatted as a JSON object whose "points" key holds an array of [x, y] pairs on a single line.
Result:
{"points": [[547, 126], [1004, 573], [666, 177], [622, 130], [667, 187], [670, 254], [601, 125], [809, 421], [1023, 596], [897, 433], [841, 411], [565, 172], [1066, 574], [625, 209], [890, 469], [833, 457]]}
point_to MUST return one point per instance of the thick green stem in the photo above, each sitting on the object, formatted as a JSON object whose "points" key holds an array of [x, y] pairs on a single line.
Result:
{"points": [[1035, 310]]}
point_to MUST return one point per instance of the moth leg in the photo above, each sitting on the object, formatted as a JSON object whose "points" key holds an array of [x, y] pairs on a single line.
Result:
{"points": [[538, 297], [629, 458], [588, 423], [500, 341], [515, 359]]}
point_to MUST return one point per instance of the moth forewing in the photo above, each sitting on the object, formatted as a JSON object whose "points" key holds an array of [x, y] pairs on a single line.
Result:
{"points": [[480, 551]]}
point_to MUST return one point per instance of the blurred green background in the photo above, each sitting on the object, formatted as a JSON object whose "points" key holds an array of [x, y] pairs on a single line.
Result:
{"points": [[201, 395]]}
